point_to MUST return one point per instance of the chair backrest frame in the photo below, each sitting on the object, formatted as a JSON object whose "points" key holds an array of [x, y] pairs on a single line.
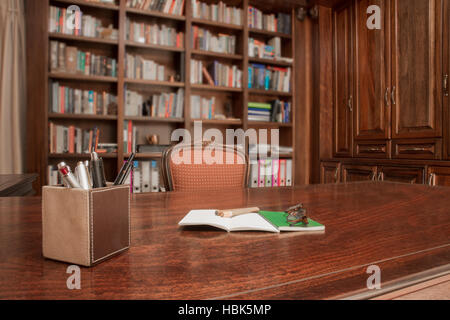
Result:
{"points": [[166, 158]]}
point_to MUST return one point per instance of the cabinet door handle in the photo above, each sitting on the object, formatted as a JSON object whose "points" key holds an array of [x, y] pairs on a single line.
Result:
{"points": [[380, 176], [393, 95], [350, 103], [431, 179], [386, 97], [445, 85], [415, 149]]}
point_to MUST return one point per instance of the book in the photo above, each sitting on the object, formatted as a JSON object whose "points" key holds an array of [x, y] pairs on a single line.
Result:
{"points": [[265, 221]]}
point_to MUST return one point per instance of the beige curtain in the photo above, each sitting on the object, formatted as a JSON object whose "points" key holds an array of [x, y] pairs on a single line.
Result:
{"points": [[12, 87]]}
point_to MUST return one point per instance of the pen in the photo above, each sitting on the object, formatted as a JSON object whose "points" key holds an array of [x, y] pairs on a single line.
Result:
{"points": [[67, 176], [120, 177], [230, 213], [97, 171], [127, 169]]}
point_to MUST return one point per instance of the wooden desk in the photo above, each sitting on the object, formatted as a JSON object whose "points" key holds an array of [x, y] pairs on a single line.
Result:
{"points": [[404, 229], [17, 185]]}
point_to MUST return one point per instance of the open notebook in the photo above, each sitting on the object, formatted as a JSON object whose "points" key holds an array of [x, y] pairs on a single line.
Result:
{"points": [[262, 221]]}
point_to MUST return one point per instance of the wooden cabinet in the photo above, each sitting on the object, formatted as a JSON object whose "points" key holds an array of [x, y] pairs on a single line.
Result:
{"points": [[372, 73], [438, 176], [401, 174], [417, 149], [416, 73], [354, 173], [330, 172], [445, 78], [343, 80]]}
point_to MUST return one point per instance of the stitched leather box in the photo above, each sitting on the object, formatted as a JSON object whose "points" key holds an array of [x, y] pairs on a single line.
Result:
{"points": [[85, 227]]}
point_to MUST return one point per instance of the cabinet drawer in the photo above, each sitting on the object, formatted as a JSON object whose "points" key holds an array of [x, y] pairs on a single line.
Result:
{"points": [[330, 172], [355, 173], [417, 149], [372, 149], [413, 175]]}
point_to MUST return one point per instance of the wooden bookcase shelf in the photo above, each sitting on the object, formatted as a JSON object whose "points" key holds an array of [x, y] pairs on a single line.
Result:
{"points": [[269, 34], [216, 24], [155, 14], [80, 156], [155, 83], [71, 116], [39, 78], [215, 88], [217, 54], [62, 36], [81, 77], [84, 3], [270, 62], [133, 44], [154, 119]]}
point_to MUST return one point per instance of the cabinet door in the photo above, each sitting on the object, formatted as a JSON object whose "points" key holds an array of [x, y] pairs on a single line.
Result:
{"points": [[330, 172], [343, 81], [411, 175], [372, 73], [445, 78], [354, 173], [439, 176], [416, 83]]}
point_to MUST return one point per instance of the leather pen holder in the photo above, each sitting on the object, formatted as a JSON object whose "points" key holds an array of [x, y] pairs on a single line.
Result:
{"points": [[85, 227]]}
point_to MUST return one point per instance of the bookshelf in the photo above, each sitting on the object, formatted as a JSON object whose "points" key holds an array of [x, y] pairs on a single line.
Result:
{"points": [[112, 126]]}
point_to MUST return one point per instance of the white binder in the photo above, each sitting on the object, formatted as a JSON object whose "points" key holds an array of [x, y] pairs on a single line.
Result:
{"points": [[155, 177], [288, 173], [275, 172], [136, 178], [268, 173], [254, 174], [261, 173], [282, 177], [145, 165]]}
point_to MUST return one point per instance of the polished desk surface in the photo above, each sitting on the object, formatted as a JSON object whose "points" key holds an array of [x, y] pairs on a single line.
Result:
{"points": [[404, 229]]}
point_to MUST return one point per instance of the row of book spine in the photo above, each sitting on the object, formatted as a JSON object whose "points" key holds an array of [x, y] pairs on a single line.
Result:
{"points": [[154, 34], [203, 39], [260, 49], [145, 177], [202, 108], [219, 12], [274, 111], [164, 105], [69, 139], [175, 7], [76, 101], [76, 23], [216, 74], [269, 77], [268, 173], [137, 67], [279, 22], [69, 59]]}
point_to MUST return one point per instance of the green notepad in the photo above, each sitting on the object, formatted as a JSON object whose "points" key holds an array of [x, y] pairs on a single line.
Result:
{"points": [[278, 219]]}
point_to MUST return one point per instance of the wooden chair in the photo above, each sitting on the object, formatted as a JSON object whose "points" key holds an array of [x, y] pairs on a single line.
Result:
{"points": [[197, 167]]}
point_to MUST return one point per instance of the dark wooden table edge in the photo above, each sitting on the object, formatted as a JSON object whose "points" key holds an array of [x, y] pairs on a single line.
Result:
{"points": [[237, 295], [31, 177], [398, 284]]}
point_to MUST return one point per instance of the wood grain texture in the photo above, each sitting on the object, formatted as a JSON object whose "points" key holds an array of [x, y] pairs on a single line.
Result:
{"points": [[17, 185], [403, 228]]}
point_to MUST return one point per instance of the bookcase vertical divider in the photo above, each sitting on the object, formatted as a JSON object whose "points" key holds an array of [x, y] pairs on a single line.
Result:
{"points": [[187, 66], [245, 67], [121, 84]]}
